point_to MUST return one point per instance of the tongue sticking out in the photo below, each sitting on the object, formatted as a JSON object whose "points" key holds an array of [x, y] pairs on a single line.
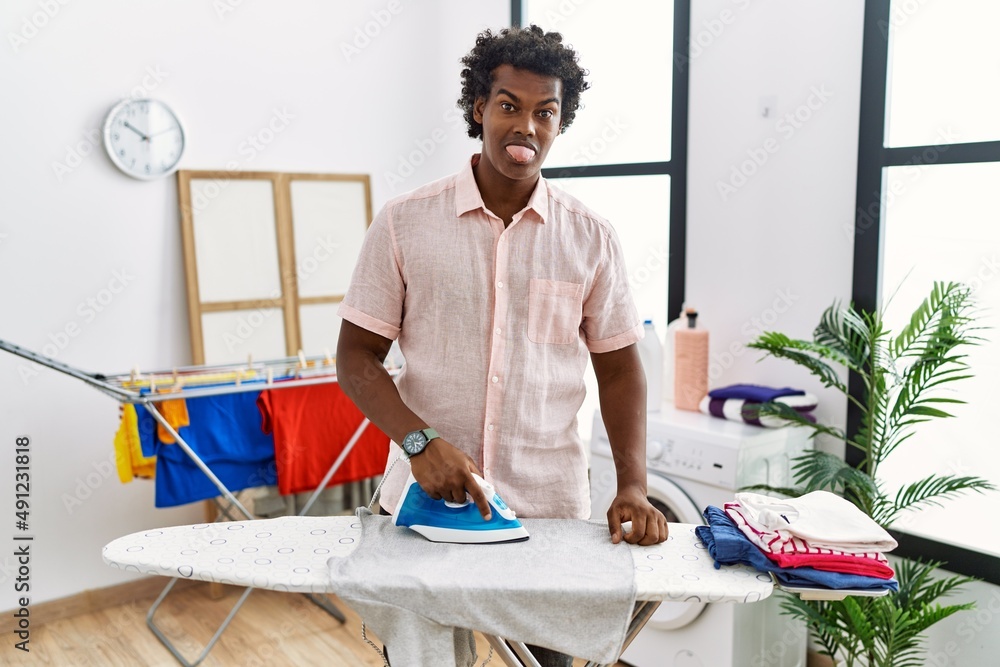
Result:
{"points": [[520, 154]]}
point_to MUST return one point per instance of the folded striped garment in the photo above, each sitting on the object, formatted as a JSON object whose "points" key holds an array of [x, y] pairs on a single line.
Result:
{"points": [[790, 551], [748, 412]]}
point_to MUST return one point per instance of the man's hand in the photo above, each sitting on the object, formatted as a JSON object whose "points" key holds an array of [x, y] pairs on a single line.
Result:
{"points": [[649, 526], [445, 472]]}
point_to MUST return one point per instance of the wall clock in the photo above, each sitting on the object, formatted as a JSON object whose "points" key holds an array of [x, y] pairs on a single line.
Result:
{"points": [[144, 138]]}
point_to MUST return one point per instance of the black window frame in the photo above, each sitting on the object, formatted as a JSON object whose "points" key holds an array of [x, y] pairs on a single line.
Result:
{"points": [[675, 167], [873, 159]]}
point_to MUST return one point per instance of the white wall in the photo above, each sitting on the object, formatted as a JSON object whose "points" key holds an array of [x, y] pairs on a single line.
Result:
{"points": [[65, 236], [775, 250]]}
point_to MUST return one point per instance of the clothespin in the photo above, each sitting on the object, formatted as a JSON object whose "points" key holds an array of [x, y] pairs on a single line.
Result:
{"points": [[270, 376], [239, 376], [250, 361], [329, 357], [302, 364], [135, 374]]}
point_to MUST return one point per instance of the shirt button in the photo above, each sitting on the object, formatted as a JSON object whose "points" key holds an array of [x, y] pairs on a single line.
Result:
{"points": [[497, 330], [495, 379], [490, 427], [499, 284]]}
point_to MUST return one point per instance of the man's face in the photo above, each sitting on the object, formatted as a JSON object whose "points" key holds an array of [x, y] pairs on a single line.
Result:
{"points": [[521, 118]]}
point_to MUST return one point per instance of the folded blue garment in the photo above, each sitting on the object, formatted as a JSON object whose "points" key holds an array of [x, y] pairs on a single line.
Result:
{"points": [[754, 392], [728, 546]]}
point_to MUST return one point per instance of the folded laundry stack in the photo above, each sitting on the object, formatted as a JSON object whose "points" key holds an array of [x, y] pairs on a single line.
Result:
{"points": [[817, 540], [741, 403]]}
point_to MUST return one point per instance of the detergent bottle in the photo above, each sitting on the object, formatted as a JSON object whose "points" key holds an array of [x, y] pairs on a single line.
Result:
{"points": [[651, 354]]}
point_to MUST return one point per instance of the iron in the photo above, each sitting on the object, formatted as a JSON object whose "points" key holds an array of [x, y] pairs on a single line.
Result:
{"points": [[459, 523]]}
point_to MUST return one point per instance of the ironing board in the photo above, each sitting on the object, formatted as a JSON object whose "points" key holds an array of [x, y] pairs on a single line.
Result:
{"points": [[291, 553], [140, 389]]}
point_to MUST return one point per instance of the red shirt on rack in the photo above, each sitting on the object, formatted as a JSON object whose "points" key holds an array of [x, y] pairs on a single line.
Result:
{"points": [[311, 427]]}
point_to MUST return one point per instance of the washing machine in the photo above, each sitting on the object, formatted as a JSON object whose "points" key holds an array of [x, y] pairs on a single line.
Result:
{"points": [[695, 460]]}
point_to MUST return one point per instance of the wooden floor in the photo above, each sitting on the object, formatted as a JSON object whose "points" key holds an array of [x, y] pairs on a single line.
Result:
{"points": [[273, 629]]}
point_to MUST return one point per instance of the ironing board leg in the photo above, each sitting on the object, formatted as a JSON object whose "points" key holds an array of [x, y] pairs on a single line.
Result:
{"points": [[501, 648], [208, 647], [640, 616], [323, 602]]}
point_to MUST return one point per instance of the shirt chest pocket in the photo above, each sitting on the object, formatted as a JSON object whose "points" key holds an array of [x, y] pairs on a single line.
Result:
{"points": [[555, 311]]}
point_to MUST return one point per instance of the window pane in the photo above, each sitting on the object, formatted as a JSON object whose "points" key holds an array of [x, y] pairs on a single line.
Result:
{"points": [[638, 208], [941, 224], [943, 62], [628, 50]]}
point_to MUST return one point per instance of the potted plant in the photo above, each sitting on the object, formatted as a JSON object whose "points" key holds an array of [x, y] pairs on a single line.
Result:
{"points": [[902, 376]]}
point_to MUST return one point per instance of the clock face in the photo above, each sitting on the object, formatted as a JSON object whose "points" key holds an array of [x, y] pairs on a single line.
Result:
{"points": [[144, 138]]}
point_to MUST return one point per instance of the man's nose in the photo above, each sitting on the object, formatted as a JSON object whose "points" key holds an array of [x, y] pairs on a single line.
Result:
{"points": [[525, 125]]}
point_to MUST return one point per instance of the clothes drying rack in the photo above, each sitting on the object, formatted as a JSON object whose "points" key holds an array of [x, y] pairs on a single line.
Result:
{"points": [[183, 383]]}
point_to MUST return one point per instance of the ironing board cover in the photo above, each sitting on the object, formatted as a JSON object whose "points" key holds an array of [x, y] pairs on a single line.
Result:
{"points": [[291, 554]]}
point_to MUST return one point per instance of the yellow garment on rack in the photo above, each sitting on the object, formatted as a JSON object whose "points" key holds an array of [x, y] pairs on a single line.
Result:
{"points": [[176, 413], [128, 450]]}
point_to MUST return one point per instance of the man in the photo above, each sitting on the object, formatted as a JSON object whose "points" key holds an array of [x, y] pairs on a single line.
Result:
{"points": [[497, 284]]}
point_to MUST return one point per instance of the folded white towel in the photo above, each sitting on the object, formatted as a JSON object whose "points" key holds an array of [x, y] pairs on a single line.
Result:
{"points": [[823, 519]]}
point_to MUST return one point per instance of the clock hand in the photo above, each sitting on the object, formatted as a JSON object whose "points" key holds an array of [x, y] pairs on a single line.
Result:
{"points": [[144, 137], [163, 132]]}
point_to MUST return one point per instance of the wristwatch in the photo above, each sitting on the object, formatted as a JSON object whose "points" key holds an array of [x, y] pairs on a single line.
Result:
{"points": [[416, 441]]}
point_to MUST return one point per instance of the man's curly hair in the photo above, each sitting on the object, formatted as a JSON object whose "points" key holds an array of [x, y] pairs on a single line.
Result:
{"points": [[531, 49]]}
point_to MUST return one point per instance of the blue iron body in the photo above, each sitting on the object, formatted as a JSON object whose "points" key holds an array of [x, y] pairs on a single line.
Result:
{"points": [[460, 523]]}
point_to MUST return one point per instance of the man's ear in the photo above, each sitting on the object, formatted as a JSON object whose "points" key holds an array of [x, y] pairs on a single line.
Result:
{"points": [[477, 109]]}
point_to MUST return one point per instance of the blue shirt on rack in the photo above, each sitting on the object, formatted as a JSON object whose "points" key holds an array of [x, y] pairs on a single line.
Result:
{"points": [[225, 432]]}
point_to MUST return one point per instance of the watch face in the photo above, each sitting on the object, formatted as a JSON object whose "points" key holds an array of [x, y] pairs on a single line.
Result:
{"points": [[414, 442], [144, 138]]}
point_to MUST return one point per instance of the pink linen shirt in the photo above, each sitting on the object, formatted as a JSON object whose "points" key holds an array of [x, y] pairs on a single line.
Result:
{"points": [[495, 325]]}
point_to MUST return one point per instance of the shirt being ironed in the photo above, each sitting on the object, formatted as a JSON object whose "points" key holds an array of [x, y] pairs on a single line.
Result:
{"points": [[495, 326]]}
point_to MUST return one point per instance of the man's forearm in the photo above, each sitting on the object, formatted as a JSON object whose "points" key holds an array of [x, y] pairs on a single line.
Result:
{"points": [[623, 407]]}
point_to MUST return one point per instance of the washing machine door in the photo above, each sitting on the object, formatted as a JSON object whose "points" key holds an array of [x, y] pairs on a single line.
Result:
{"points": [[678, 507]]}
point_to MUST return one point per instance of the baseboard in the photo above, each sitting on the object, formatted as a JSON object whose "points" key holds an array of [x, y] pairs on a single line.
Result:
{"points": [[92, 600]]}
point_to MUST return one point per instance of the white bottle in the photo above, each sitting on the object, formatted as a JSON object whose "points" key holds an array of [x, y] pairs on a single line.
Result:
{"points": [[651, 354]]}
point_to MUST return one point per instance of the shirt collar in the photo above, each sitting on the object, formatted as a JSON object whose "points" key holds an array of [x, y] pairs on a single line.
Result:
{"points": [[468, 198]]}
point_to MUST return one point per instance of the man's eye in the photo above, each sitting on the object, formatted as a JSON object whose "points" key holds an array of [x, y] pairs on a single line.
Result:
{"points": [[506, 106], [546, 113]]}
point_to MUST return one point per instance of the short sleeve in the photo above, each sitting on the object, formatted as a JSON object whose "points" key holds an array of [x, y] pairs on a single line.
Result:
{"points": [[374, 300], [610, 319]]}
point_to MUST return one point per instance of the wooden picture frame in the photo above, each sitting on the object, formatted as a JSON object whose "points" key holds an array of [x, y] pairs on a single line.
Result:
{"points": [[245, 256]]}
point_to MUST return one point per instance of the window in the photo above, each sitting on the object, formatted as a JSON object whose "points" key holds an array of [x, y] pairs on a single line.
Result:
{"points": [[626, 154], [929, 161]]}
